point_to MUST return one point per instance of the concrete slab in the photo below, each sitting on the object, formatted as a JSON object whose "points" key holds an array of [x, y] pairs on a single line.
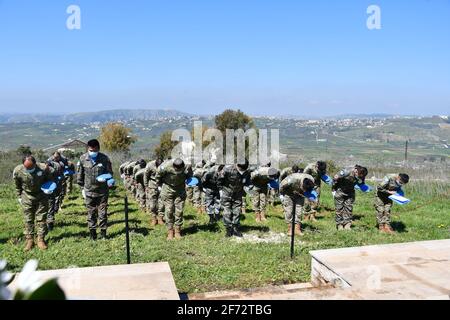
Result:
{"points": [[146, 281], [414, 270]]}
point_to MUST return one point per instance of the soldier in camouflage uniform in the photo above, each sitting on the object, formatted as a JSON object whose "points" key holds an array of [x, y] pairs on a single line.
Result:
{"points": [[344, 194], [212, 194], [390, 185], [93, 164], [139, 177], [171, 178], [129, 177], [69, 178], [259, 179], [153, 202], [58, 176], [316, 170], [140, 164], [292, 189], [28, 178], [197, 191], [61, 191], [288, 171], [123, 174], [231, 181]]}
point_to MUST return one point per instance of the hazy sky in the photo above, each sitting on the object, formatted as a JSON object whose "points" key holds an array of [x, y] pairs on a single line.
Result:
{"points": [[264, 57]]}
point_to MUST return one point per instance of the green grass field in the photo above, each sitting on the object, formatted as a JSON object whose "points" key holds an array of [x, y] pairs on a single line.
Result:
{"points": [[205, 260]]}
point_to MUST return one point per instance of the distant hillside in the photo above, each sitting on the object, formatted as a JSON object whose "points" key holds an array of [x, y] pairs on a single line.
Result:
{"points": [[90, 117]]}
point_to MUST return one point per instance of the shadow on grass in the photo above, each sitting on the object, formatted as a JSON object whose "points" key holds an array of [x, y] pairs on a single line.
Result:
{"points": [[399, 226], [62, 224], [192, 229], [65, 235], [252, 228]]}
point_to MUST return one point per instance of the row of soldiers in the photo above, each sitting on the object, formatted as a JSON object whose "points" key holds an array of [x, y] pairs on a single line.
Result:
{"points": [[160, 188], [37, 205]]}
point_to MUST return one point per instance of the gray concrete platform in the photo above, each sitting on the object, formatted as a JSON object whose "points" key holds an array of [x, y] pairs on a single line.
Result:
{"points": [[147, 281], [413, 270]]}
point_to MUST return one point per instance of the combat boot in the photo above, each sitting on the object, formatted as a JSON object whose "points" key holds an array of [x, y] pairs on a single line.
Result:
{"points": [[289, 233], [170, 234], [160, 220], [229, 232], [93, 234], [258, 217], [212, 219], [41, 244], [153, 221], [348, 226], [263, 216], [340, 227], [178, 232], [388, 229], [103, 234], [29, 244], [236, 232], [298, 230]]}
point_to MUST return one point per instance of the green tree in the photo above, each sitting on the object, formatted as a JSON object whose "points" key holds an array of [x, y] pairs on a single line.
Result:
{"points": [[233, 119], [23, 150], [164, 148], [116, 137]]}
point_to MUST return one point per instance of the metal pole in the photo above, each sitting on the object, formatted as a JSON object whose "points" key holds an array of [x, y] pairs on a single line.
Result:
{"points": [[292, 228], [406, 151], [127, 231]]}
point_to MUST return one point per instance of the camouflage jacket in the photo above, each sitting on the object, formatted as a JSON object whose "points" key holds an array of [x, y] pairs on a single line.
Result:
{"points": [[88, 171], [285, 172], [312, 170], [199, 171], [128, 169], [389, 183], [210, 179], [260, 178], [123, 167], [292, 184], [139, 177], [167, 177], [150, 175], [345, 182], [233, 182], [28, 185]]}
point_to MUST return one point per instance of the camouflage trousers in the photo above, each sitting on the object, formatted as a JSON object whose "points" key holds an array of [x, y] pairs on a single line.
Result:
{"points": [[311, 207], [291, 202], [232, 206], [128, 182], [35, 211], [212, 201], [141, 196], [271, 196], [53, 206], [154, 202], [344, 207], [383, 206], [197, 197], [259, 199], [97, 208], [173, 206], [190, 194], [69, 185]]}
